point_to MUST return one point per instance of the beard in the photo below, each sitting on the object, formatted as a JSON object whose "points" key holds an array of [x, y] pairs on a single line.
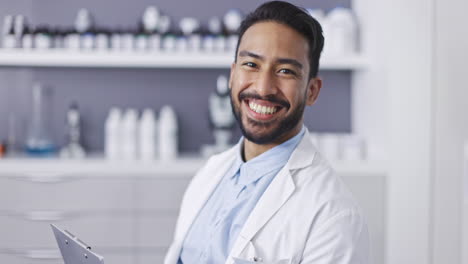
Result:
{"points": [[277, 128]]}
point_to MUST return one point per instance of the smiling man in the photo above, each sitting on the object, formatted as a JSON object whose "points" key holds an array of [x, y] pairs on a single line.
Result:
{"points": [[272, 198]]}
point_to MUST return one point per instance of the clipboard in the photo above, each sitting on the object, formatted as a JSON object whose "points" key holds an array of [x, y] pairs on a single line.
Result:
{"points": [[73, 250]]}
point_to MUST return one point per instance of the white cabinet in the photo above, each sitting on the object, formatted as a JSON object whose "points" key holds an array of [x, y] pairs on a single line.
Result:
{"points": [[121, 210], [160, 194], [25, 193]]}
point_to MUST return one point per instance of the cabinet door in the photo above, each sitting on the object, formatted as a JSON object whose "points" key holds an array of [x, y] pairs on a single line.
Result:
{"points": [[154, 234], [161, 194], [21, 231], [27, 192], [158, 201]]}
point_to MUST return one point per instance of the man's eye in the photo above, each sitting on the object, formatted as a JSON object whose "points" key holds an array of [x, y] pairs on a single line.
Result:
{"points": [[250, 64], [287, 71]]}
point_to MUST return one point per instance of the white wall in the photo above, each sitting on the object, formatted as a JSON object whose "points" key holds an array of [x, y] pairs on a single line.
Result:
{"points": [[392, 106], [451, 129]]}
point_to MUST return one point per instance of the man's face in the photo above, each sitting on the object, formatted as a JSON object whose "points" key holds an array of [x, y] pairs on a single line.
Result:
{"points": [[270, 83]]}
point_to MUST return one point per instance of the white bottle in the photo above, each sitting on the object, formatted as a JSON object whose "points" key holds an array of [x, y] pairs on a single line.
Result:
{"points": [[129, 134], [167, 136], [154, 42], [83, 21], [27, 41], [150, 18], [209, 44], [169, 43], [43, 38], [88, 41], [147, 135], [102, 41], [220, 43], [113, 136], [72, 41], [232, 43], [127, 41], [232, 20], [116, 40], [8, 34], [141, 41], [341, 32], [181, 44], [194, 42]]}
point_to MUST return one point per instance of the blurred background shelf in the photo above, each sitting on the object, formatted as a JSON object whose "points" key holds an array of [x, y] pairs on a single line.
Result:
{"points": [[111, 59]]}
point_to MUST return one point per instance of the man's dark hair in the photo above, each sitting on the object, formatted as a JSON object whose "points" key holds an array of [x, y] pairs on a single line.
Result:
{"points": [[295, 17]]}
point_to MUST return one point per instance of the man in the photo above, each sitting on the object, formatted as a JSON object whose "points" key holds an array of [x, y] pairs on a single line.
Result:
{"points": [[272, 198]]}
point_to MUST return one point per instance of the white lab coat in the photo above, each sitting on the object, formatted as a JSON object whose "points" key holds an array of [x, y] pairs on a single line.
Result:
{"points": [[306, 215]]}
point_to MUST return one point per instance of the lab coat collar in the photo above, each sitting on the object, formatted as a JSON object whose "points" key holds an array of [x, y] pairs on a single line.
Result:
{"points": [[304, 154], [207, 184], [270, 160], [277, 193]]}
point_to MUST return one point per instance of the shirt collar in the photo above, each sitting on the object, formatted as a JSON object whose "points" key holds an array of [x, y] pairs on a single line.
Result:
{"points": [[271, 160]]}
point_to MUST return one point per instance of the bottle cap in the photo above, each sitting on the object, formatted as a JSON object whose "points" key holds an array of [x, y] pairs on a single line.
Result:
{"points": [[148, 114]]}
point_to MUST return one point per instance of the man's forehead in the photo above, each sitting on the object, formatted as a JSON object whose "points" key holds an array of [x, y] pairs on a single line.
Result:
{"points": [[274, 40]]}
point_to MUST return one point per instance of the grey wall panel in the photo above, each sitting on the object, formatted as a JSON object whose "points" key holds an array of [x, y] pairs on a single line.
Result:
{"points": [[332, 111]]}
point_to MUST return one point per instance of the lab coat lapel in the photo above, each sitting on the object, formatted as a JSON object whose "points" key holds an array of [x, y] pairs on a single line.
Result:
{"points": [[205, 186], [279, 191]]}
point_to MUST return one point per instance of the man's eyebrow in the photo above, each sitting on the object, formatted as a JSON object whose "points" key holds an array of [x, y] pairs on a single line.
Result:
{"points": [[290, 61], [244, 53]]}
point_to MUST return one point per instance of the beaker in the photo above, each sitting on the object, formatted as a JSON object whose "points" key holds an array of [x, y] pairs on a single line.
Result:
{"points": [[39, 141]]}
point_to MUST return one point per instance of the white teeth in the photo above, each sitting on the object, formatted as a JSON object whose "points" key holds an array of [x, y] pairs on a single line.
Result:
{"points": [[261, 109]]}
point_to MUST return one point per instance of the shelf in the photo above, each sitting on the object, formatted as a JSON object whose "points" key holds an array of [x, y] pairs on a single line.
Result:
{"points": [[183, 167], [110, 59], [97, 166]]}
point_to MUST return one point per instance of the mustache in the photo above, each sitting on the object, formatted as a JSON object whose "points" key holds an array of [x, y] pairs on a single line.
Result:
{"points": [[270, 98]]}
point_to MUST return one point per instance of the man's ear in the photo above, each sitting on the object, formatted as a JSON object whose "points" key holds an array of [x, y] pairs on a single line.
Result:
{"points": [[231, 75], [313, 90]]}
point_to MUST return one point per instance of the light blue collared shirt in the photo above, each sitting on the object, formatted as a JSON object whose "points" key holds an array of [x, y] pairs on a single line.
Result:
{"points": [[218, 224]]}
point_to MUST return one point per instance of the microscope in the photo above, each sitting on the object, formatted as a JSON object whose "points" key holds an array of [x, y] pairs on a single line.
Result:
{"points": [[221, 118]]}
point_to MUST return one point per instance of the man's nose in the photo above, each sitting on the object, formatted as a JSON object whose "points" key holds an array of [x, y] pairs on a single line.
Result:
{"points": [[266, 83]]}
